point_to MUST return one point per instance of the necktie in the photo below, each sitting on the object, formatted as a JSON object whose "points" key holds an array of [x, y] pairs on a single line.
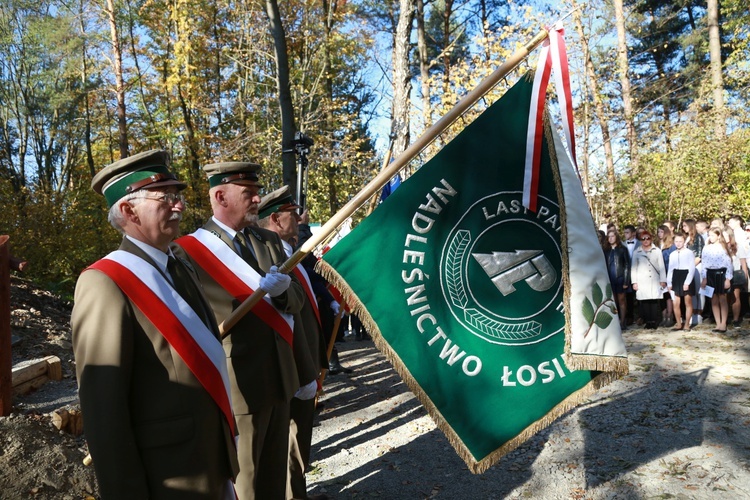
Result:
{"points": [[184, 285], [245, 249]]}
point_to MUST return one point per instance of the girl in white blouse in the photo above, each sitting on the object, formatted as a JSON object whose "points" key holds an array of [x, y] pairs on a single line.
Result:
{"points": [[717, 272], [739, 281], [680, 280]]}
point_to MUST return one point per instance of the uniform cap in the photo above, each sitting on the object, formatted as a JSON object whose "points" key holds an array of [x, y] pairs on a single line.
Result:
{"points": [[146, 170], [233, 172], [277, 201]]}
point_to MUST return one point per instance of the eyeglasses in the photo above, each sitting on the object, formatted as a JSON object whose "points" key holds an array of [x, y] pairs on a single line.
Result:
{"points": [[646, 238], [169, 198]]}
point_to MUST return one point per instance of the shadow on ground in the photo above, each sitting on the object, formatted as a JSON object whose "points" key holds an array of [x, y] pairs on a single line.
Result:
{"points": [[637, 422]]}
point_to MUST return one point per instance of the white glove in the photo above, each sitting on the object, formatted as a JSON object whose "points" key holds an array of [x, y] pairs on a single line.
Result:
{"points": [[308, 391], [335, 307], [275, 283]]}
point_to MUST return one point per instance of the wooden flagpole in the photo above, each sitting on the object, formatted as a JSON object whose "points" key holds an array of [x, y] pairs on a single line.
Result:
{"points": [[387, 173]]}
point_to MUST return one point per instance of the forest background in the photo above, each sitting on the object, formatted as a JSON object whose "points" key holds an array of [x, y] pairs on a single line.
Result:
{"points": [[660, 98]]}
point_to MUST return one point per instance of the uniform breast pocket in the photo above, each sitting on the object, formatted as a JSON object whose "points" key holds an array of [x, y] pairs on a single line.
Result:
{"points": [[165, 432]]}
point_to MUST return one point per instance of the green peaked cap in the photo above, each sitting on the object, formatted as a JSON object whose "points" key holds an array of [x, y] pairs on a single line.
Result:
{"points": [[146, 170], [276, 201], [232, 172]]}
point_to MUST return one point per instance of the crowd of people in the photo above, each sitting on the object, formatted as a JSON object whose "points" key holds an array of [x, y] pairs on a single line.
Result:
{"points": [[175, 404], [681, 275], [182, 398]]}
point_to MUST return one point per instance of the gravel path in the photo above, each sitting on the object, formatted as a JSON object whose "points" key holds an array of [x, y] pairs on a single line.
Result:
{"points": [[678, 426]]}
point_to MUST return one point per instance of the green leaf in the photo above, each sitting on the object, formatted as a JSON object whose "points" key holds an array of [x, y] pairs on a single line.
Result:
{"points": [[608, 291], [597, 294], [603, 319], [587, 310]]}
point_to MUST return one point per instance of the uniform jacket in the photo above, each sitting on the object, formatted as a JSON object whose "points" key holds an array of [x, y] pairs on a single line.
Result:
{"points": [[618, 263], [309, 344], [647, 270], [152, 429], [261, 363]]}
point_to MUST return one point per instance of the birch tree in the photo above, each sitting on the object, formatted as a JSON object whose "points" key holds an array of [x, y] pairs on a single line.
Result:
{"points": [[600, 112], [717, 79], [402, 83], [122, 126], [424, 64], [623, 67]]}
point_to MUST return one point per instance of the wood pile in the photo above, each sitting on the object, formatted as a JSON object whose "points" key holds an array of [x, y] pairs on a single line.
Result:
{"points": [[30, 375]]}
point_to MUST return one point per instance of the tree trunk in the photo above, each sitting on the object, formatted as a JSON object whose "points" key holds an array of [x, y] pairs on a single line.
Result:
{"points": [[424, 66], [717, 80], [286, 106], [600, 113], [583, 163], [447, 13], [141, 78], [329, 8], [85, 88], [193, 152], [623, 66], [119, 81], [402, 78]]}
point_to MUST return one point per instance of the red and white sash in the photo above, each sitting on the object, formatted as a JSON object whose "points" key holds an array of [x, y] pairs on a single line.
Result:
{"points": [[186, 333], [304, 279], [236, 276]]}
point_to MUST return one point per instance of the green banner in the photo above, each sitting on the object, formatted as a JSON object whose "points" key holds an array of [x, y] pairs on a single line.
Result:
{"points": [[464, 290]]}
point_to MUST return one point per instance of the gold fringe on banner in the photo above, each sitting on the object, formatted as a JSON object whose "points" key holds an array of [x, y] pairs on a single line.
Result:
{"points": [[474, 465], [610, 368]]}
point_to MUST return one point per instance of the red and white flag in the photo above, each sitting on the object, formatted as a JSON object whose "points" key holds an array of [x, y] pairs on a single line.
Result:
{"points": [[552, 56]]}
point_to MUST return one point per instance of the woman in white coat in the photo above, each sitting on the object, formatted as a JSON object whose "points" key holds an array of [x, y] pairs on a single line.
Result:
{"points": [[649, 279]]}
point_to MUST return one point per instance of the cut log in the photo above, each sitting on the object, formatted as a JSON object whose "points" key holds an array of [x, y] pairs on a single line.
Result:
{"points": [[30, 375], [29, 385], [60, 418], [70, 421], [54, 368]]}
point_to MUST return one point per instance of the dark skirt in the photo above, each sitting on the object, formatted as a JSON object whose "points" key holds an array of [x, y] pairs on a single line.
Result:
{"points": [[617, 284], [739, 280], [715, 278], [678, 283]]}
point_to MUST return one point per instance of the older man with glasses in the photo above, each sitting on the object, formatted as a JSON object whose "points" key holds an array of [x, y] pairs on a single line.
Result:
{"points": [[151, 370]]}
